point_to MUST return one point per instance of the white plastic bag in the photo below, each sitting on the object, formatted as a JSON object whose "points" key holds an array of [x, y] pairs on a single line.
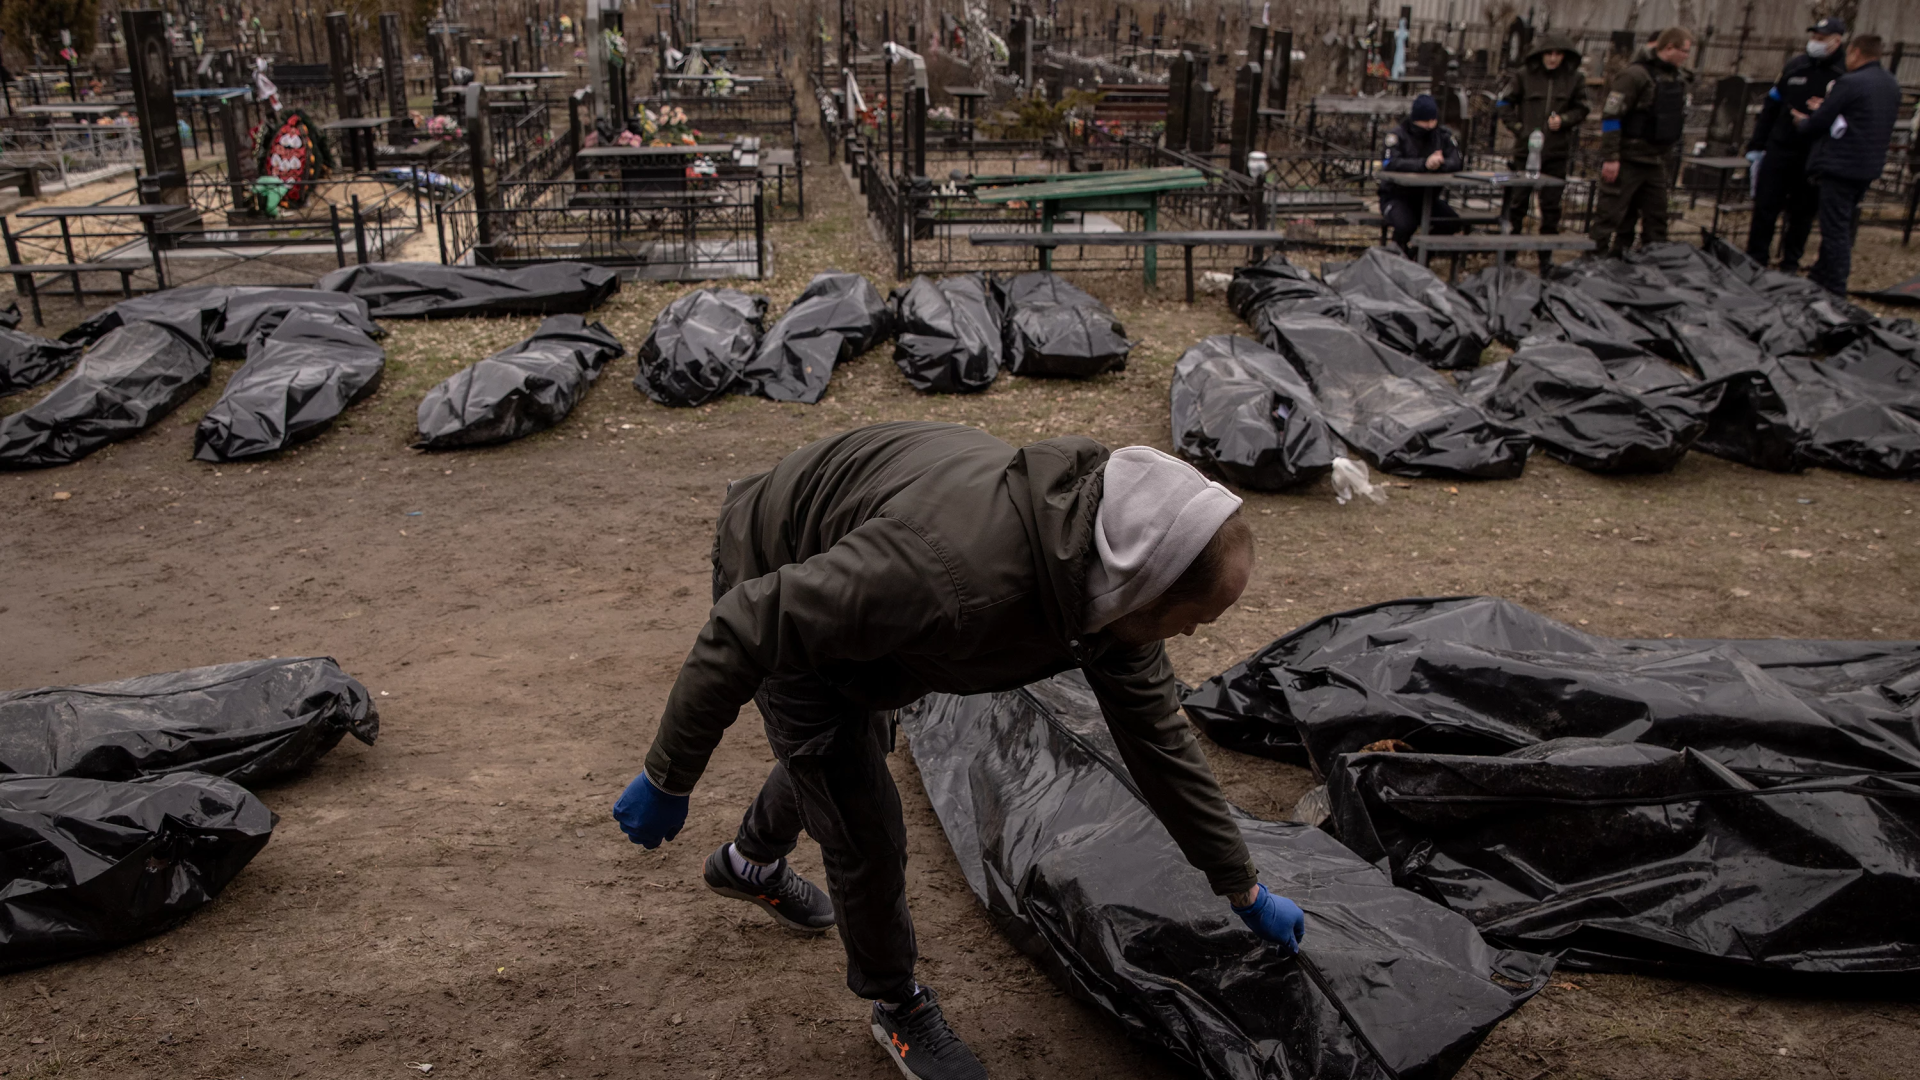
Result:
{"points": [[1350, 479]]}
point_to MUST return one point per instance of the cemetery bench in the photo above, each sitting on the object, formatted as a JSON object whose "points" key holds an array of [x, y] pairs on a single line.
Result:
{"points": [[1135, 190], [1502, 246], [23, 279], [150, 215], [21, 178], [1257, 239]]}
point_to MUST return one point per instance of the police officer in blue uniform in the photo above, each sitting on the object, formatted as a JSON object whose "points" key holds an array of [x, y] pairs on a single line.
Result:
{"points": [[1851, 129], [1779, 152]]}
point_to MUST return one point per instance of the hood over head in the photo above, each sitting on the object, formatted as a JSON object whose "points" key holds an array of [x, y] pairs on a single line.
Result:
{"points": [[1554, 41], [1156, 514]]}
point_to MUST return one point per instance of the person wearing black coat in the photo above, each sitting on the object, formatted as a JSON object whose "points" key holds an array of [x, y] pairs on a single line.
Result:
{"points": [[1779, 152], [1420, 144], [1548, 94], [1851, 130]]}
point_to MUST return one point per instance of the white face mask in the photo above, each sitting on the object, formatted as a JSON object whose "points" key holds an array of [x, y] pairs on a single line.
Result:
{"points": [[1818, 49]]}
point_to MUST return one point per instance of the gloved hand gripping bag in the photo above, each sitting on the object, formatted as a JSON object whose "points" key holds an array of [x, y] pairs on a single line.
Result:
{"points": [[1055, 841]]}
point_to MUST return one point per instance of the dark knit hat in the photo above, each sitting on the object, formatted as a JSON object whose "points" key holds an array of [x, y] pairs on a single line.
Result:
{"points": [[1425, 108]]}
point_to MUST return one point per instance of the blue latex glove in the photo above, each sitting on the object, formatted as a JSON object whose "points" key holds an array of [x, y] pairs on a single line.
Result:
{"points": [[1274, 918], [648, 815], [1753, 172]]}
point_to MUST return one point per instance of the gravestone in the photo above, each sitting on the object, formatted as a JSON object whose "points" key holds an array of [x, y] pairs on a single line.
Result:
{"points": [[393, 61], [1246, 116], [346, 84], [1179, 88], [1727, 126], [1280, 70], [150, 60]]}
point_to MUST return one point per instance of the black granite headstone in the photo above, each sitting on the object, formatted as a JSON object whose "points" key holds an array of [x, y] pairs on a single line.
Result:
{"points": [[150, 60], [393, 60]]}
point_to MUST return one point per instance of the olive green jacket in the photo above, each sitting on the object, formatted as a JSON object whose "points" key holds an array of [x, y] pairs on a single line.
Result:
{"points": [[906, 558], [1631, 106]]}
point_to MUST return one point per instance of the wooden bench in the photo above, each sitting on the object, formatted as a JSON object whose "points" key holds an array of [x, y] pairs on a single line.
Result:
{"points": [[1247, 238], [23, 279], [21, 178], [1502, 246]]}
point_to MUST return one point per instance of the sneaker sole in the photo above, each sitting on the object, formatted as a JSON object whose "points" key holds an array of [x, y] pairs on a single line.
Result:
{"points": [[880, 1036], [763, 905]]}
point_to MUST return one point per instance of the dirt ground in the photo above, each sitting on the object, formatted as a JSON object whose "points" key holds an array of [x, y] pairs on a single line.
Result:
{"points": [[458, 896]]}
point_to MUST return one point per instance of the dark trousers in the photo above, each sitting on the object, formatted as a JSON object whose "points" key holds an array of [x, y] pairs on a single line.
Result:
{"points": [[1641, 189], [1839, 211], [1403, 217], [831, 778], [1782, 187], [1519, 198]]}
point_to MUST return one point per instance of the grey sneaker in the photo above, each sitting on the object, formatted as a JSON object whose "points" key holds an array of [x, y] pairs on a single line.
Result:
{"points": [[792, 900], [916, 1036]]}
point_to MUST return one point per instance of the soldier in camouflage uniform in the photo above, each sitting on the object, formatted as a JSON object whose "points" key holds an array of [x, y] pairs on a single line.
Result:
{"points": [[1640, 130]]}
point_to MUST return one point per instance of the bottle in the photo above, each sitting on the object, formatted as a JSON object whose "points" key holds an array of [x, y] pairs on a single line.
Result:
{"points": [[1534, 142], [1393, 142]]}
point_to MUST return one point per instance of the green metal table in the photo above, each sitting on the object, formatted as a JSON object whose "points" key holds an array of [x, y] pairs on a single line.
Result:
{"points": [[1129, 190]]}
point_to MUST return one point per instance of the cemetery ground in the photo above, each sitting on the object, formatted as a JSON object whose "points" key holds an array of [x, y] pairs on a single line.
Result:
{"points": [[458, 895]]}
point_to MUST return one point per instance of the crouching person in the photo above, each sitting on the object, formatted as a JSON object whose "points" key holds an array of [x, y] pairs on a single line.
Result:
{"points": [[892, 561]]}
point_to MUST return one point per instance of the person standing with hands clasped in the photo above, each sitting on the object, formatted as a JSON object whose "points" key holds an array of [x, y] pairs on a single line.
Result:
{"points": [[1778, 152], [1547, 94], [1851, 129], [1640, 127], [902, 559], [1418, 145]]}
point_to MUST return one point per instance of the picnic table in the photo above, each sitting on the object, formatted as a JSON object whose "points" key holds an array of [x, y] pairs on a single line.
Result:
{"points": [[1725, 166], [1136, 190], [148, 213], [1257, 239], [1428, 183]]}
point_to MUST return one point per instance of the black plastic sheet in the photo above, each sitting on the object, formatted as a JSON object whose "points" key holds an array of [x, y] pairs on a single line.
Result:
{"points": [[1882, 355], [28, 360], [296, 380], [193, 313], [1906, 292], [1242, 411], [135, 375], [1795, 316], [1483, 676], [1505, 297], [947, 334], [1276, 288], [1616, 855], [1279, 282], [527, 387], [699, 346], [1055, 329], [1404, 416], [94, 864], [1850, 423], [225, 319], [432, 291], [1626, 416], [1054, 840], [1412, 310], [1579, 318], [837, 318], [253, 313], [252, 722]]}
